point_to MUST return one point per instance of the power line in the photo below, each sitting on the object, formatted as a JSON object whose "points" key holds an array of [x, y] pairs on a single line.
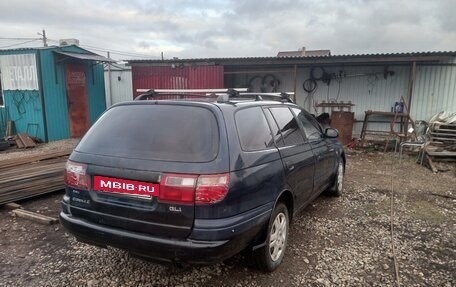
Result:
{"points": [[6, 38], [118, 52], [18, 44]]}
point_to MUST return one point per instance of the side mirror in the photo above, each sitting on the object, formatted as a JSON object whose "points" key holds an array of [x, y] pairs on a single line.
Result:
{"points": [[331, 133]]}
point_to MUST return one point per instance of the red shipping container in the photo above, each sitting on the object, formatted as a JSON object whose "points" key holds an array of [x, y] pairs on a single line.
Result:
{"points": [[176, 77]]}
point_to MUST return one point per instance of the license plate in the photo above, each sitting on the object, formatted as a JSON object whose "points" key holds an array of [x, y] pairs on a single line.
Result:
{"points": [[125, 186]]}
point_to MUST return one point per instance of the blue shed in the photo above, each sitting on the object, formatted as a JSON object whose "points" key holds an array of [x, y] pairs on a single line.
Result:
{"points": [[51, 93]]}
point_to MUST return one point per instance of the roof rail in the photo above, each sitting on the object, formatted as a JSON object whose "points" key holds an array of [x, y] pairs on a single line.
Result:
{"points": [[151, 93], [223, 95], [283, 96]]}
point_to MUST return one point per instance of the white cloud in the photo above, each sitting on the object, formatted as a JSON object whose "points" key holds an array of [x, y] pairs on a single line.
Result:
{"points": [[227, 28]]}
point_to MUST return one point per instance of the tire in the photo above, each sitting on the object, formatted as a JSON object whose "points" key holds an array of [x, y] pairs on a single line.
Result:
{"points": [[309, 85], [338, 185], [269, 257]]}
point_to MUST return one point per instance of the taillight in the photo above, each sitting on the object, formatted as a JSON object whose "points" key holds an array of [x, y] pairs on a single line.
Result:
{"points": [[178, 188], [76, 176], [211, 188], [190, 188]]}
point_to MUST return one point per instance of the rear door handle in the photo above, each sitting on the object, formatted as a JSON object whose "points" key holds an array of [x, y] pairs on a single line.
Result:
{"points": [[290, 166]]}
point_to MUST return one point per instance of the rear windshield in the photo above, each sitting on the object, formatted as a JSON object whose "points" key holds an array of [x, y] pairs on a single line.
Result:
{"points": [[154, 132]]}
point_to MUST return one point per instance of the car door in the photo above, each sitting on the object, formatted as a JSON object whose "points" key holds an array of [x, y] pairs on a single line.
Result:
{"points": [[297, 156], [324, 153]]}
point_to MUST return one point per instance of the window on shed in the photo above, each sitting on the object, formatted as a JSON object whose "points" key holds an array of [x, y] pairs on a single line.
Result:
{"points": [[288, 126], [253, 130]]}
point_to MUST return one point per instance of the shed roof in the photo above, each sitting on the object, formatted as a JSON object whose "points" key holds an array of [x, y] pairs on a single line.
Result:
{"points": [[380, 58], [305, 53], [85, 56], [67, 50]]}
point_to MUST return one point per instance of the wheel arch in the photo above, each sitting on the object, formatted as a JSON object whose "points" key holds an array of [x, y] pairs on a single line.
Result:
{"points": [[285, 197]]}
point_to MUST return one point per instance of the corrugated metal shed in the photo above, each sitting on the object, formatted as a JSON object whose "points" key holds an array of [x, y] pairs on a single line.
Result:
{"points": [[363, 81], [306, 60], [45, 109], [176, 76]]}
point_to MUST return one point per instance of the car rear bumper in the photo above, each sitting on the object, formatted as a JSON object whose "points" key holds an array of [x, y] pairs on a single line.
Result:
{"points": [[180, 251]]}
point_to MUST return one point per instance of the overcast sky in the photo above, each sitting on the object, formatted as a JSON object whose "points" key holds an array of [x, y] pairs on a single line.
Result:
{"points": [[229, 28]]}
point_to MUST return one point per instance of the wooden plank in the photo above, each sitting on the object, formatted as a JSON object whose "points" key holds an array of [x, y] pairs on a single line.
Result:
{"points": [[26, 140], [443, 130], [9, 128], [19, 143], [12, 206], [40, 218], [444, 134], [23, 160], [31, 179], [431, 164]]}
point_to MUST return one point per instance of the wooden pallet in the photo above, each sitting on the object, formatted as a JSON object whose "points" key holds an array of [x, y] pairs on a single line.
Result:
{"points": [[442, 142]]}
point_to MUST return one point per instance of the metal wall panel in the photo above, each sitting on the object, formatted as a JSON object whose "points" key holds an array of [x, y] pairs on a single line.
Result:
{"points": [[56, 104], [176, 77], [95, 90], [434, 91], [25, 110], [24, 107], [3, 120], [121, 84], [368, 89]]}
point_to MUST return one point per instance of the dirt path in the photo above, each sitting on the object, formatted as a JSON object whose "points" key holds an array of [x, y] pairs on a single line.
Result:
{"points": [[334, 242]]}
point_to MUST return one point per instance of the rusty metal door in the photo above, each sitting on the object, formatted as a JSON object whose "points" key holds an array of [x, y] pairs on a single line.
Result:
{"points": [[76, 88]]}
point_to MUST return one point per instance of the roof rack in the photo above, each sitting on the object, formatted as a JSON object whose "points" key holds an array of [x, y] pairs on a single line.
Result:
{"points": [[283, 96], [151, 93], [222, 95]]}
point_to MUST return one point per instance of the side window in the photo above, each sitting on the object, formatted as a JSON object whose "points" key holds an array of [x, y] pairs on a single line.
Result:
{"points": [[312, 132], [291, 133], [277, 135], [253, 130]]}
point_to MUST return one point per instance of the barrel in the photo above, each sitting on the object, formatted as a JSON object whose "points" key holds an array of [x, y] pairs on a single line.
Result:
{"points": [[343, 122]]}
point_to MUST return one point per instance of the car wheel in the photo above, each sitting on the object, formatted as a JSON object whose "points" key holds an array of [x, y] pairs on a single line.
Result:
{"points": [[338, 186], [269, 257]]}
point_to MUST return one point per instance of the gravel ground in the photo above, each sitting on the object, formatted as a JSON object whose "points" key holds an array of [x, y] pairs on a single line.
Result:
{"points": [[342, 241]]}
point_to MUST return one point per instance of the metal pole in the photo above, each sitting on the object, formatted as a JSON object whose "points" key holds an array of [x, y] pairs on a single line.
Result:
{"points": [[409, 95], [109, 81], [295, 82], [44, 38]]}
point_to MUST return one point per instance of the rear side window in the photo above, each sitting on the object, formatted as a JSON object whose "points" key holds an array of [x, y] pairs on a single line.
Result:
{"points": [[253, 130], [155, 132], [291, 133]]}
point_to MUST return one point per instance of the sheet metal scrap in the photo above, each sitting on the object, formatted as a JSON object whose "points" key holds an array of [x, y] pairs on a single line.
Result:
{"points": [[442, 137]]}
